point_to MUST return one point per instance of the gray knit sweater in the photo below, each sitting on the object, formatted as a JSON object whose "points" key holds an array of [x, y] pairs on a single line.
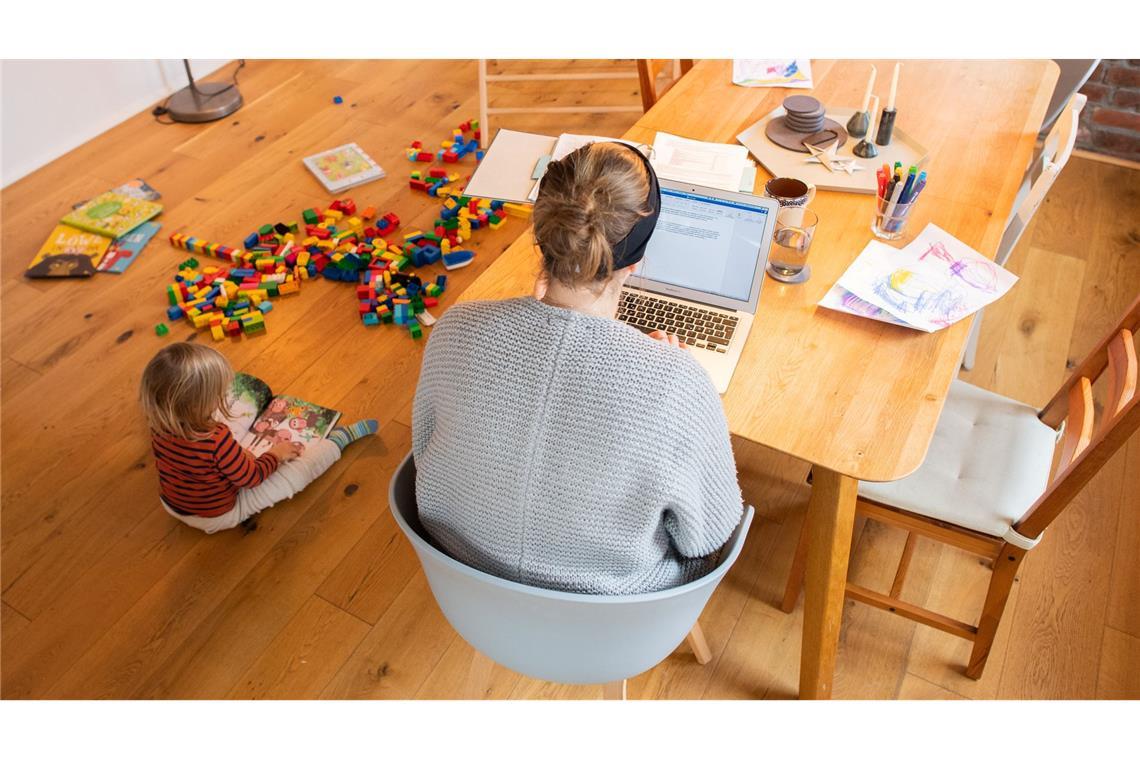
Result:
{"points": [[569, 451]]}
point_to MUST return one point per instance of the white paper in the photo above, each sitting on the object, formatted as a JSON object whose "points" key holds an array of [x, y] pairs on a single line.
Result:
{"points": [[933, 282], [505, 171], [702, 163], [772, 72], [841, 299], [567, 144]]}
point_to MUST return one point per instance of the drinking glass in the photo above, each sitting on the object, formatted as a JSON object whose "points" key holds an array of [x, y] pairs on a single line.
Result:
{"points": [[795, 228], [889, 221]]}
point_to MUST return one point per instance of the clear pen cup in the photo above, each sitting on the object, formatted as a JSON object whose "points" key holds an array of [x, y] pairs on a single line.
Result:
{"points": [[889, 221]]}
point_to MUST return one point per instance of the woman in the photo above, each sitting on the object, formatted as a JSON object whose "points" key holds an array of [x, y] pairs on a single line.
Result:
{"points": [[556, 446]]}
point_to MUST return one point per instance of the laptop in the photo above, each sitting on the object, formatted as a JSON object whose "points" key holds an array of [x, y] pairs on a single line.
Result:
{"points": [[701, 275]]}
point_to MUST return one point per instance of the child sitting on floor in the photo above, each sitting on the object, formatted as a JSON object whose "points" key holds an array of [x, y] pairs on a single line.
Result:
{"points": [[207, 480]]}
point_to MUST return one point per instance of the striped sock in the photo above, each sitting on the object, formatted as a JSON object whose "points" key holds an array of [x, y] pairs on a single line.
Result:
{"points": [[346, 434]]}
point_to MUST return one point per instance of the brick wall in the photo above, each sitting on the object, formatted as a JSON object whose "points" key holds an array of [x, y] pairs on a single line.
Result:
{"points": [[1110, 123]]}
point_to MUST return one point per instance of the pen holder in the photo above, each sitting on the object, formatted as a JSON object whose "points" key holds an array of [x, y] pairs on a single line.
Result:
{"points": [[886, 126], [889, 221]]}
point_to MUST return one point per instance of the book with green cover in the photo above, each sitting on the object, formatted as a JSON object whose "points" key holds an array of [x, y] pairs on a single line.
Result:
{"points": [[112, 214]]}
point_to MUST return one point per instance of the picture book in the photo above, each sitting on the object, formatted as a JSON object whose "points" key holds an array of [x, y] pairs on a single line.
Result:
{"points": [[123, 251], [112, 214], [343, 167], [136, 188], [68, 252], [270, 419]]}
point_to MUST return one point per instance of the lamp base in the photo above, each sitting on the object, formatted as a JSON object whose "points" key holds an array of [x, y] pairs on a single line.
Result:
{"points": [[209, 101]]}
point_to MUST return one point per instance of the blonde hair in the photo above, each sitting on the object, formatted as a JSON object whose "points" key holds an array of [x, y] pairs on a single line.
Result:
{"points": [[182, 388], [588, 202]]}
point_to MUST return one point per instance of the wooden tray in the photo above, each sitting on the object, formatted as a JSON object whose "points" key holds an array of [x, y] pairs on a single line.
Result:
{"points": [[781, 162]]}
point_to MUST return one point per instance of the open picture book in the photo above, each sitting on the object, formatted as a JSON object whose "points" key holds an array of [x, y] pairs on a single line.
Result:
{"points": [[269, 419]]}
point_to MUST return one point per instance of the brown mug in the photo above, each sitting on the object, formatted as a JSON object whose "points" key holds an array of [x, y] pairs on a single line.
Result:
{"points": [[788, 191]]}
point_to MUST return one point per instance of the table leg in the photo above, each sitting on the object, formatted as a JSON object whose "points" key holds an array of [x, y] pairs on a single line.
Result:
{"points": [[830, 520]]}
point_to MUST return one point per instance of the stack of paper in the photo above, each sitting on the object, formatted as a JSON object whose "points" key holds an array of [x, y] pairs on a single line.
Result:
{"points": [[725, 167], [932, 283]]}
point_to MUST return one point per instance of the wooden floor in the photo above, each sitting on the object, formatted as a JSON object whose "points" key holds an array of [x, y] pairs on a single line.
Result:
{"points": [[104, 595]]}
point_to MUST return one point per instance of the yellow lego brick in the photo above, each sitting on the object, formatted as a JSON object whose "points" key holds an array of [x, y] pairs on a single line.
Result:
{"points": [[333, 215], [412, 234], [303, 258], [218, 332]]}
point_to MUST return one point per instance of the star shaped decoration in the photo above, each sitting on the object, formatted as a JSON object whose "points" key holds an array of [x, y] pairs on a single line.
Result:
{"points": [[830, 160]]}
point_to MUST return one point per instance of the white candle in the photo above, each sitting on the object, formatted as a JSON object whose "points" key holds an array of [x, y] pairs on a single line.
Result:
{"points": [[894, 88], [870, 86], [870, 137]]}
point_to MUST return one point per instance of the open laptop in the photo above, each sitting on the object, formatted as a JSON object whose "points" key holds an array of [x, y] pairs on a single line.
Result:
{"points": [[701, 275]]}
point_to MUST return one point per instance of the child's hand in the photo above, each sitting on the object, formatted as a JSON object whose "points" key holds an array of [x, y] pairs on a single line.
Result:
{"points": [[286, 450]]}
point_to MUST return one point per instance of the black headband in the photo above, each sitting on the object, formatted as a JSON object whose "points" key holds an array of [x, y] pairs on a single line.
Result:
{"points": [[630, 249]]}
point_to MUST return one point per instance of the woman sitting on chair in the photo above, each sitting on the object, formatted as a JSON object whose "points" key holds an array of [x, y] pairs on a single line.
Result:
{"points": [[556, 446]]}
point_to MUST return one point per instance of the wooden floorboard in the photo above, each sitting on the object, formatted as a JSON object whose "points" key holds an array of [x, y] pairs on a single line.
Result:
{"points": [[104, 595]]}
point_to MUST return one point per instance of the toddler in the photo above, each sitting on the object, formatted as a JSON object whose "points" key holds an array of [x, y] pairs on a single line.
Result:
{"points": [[206, 479]]}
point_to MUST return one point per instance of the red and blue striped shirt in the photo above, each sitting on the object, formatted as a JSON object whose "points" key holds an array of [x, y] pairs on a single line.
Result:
{"points": [[202, 478]]}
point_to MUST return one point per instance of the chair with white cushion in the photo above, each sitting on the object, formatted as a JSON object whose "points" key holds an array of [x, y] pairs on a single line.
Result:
{"points": [[556, 635], [984, 486], [1047, 165]]}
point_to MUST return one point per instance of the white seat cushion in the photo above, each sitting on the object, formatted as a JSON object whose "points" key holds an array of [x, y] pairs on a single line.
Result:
{"points": [[988, 462]]}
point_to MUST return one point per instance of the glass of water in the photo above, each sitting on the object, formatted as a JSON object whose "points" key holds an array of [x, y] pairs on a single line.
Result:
{"points": [[795, 228]]}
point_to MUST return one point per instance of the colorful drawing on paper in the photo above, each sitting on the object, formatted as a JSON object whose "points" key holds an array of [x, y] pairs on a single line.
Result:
{"points": [[933, 282], [772, 72]]}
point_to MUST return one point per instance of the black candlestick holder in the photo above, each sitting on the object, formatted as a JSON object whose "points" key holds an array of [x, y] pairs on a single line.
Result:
{"points": [[886, 126]]}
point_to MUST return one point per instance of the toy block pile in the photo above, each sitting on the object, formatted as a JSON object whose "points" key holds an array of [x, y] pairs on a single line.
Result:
{"points": [[390, 297], [230, 302], [451, 150]]}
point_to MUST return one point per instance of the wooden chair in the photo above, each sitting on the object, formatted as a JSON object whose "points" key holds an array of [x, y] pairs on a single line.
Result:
{"points": [[984, 486], [647, 73], [1041, 175]]}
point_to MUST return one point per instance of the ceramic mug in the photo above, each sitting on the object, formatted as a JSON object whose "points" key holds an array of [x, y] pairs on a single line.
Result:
{"points": [[789, 192]]}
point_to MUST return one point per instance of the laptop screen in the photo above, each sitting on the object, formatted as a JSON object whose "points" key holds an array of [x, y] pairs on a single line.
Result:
{"points": [[706, 244]]}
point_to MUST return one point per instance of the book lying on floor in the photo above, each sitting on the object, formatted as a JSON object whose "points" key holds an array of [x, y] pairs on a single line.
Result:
{"points": [[68, 252], [125, 250], [270, 419], [112, 214], [343, 167]]}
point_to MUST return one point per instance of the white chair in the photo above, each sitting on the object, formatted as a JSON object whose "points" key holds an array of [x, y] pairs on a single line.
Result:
{"points": [[984, 486], [554, 635], [1042, 174]]}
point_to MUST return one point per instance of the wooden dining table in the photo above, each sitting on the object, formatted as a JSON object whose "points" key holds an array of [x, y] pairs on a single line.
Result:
{"points": [[856, 398]]}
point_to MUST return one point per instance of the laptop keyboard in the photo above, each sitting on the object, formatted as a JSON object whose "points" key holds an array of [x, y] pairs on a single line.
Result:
{"points": [[701, 328]]}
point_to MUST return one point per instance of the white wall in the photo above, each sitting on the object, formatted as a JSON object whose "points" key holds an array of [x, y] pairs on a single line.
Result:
{"points": [[49, 107]]}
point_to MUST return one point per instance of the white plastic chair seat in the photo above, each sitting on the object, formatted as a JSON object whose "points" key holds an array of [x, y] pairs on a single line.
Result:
{"points": [[988, 462], [555, 635]]}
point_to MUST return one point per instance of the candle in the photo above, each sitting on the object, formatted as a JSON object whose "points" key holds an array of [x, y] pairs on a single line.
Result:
{"points": [[894, 88], [874, 119], [870, 86]]}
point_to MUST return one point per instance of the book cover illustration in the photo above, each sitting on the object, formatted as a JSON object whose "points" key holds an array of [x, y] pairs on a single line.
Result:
{"points": [[343, 167], [136, 188], [123, 251], [112, 214], [273, 419], [68, 252]]}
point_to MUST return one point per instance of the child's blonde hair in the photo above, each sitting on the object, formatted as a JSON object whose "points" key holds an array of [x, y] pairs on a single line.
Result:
{"points": [[182, 388]]}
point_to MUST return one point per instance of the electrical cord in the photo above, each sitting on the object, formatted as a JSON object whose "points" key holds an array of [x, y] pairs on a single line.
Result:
{"points": [[159, 111]]}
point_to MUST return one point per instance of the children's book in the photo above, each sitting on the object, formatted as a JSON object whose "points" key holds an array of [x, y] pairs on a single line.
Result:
{"points": [[125, 250], [271, 419], [136, 188], [112, 214], [68, 252], [343, 167]]}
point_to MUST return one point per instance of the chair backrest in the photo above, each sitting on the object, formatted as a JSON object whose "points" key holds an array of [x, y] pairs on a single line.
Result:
{"points": [[650, 69], [1055, 154], [554, 635], [1085, 444]]}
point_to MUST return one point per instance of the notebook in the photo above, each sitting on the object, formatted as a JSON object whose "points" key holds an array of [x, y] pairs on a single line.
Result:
{"points": [[343, 167]]}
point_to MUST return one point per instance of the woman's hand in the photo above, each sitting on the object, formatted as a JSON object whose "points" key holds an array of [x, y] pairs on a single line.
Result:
{"points": [[667, 338], [286, 450]]}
